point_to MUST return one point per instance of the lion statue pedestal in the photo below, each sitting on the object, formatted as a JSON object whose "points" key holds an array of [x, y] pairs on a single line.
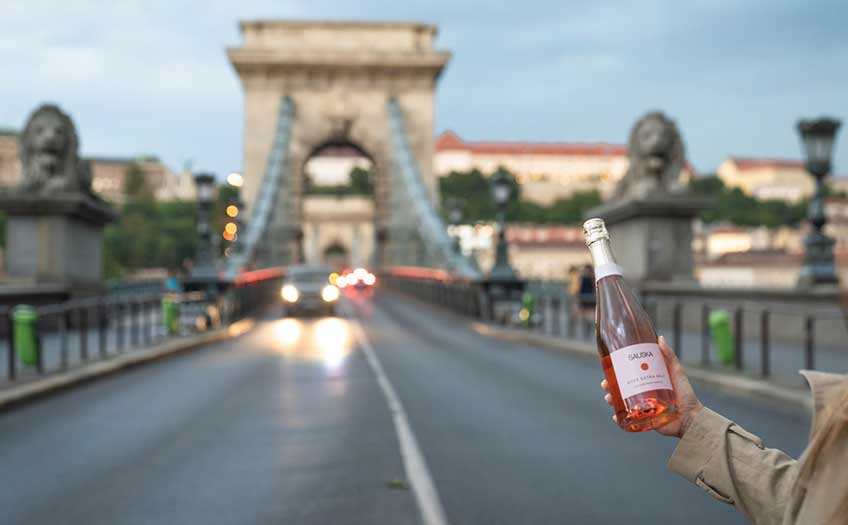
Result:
{"points": [[54, 225], [650, 214]]}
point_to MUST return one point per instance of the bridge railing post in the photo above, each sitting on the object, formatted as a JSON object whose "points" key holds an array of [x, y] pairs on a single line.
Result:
{"points": [[12, 362], [82, 327], [102, 326]]}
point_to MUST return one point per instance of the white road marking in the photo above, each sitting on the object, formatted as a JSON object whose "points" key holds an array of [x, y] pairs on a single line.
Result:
{"points": [[413, 461]]}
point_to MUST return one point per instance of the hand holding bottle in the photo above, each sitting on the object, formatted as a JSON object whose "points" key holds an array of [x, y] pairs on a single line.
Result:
{"points": [[639, 382], [688, 403]]}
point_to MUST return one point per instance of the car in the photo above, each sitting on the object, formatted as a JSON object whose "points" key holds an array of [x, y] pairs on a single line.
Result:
{"points": [[359, 278], [307, 290]]}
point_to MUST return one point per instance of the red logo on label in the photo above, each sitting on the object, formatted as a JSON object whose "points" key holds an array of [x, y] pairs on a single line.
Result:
{"points": [[644, 366]]}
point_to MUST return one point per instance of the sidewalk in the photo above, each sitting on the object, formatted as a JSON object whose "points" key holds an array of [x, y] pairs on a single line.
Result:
{"points": [[731, 382], [34, 386]]}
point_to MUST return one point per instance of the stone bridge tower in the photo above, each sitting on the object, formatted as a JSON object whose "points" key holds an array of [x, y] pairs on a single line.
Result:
{"points": [[340, 76]]}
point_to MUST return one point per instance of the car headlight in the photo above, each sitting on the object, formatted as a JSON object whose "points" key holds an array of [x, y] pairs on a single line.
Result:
{"points": [[330, 293], [290, 293]]}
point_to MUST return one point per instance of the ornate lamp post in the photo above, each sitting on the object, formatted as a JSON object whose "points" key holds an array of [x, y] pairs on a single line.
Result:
{"points": [[501, 191], [204, 270], [455, 219], [817, 137]]}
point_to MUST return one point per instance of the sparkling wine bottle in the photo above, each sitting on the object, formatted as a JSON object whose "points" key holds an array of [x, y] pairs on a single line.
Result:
{"points": [[642, 393]]}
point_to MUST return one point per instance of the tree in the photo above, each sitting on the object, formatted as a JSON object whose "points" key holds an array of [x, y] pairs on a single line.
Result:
{"points": [[707, 185], [572, 209], [360, 181], [472, 187], [135, 184], [149, 234], [734, 206]]}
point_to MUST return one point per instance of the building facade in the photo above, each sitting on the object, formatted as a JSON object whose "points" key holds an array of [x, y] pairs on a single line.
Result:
{"points": [[836, 212], [108, 174], [768, 179], [545, 171]]}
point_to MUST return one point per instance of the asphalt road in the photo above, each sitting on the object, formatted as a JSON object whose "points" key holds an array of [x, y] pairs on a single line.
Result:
{"points": [[288, 424]]}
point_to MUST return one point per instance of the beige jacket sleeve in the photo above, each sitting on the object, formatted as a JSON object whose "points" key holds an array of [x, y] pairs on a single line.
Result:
{"points": [[733, 466]]}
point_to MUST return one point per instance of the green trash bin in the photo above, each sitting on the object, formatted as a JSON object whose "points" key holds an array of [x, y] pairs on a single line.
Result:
{"points": [[25, 334], [171, 316], [528, 308], [722, 338]]}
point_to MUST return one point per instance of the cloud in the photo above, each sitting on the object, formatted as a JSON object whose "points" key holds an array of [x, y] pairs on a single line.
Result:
{"points": [[152, 76]]}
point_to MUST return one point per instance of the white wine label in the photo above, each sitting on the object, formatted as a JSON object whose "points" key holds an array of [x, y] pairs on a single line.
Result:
{"points": [[605, 270], [640, 368]]}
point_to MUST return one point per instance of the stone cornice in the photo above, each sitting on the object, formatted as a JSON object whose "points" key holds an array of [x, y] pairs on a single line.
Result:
{"points": [[79, 205], [246, 60], [333, 24]]}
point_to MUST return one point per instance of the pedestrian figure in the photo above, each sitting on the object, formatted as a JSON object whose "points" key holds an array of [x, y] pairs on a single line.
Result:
{"points": [[586, 294], [573, 290]]}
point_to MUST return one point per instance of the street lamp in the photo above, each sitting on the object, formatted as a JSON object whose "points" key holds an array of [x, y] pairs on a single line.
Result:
{"points": [[455, 218], [501, 183], [817, 137], [235, 179], [204, 264]]}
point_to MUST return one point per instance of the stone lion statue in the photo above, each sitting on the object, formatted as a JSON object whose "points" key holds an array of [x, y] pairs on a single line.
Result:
{"points": [[656, 156], [49, 154]]}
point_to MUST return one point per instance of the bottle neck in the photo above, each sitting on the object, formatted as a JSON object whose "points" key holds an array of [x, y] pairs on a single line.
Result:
{"points": [[603, 260]]}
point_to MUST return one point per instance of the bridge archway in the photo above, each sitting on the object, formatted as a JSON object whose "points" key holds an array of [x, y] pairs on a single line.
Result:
{"points": [[338, 215], [339, 77]]}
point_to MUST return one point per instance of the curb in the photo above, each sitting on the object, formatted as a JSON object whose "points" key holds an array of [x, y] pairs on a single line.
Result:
{"points": [[57, 382], [734, 384]]}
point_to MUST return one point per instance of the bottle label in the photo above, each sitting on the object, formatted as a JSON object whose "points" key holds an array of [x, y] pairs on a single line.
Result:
{"points": [[640, 368], [605, 270]]}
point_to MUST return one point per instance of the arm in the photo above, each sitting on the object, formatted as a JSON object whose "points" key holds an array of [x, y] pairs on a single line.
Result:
{"points": [[722, 458], [731, 465]]}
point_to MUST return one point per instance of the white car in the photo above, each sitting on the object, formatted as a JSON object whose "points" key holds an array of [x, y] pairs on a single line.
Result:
{"points": [[307, 290]]}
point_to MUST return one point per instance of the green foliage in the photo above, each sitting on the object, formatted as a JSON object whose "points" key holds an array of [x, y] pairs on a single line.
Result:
{"points": [[732, 205], [135, 186], [571, 210], [360, 183], [149, 234], [707, 185], [473, 189], [830, 191]]}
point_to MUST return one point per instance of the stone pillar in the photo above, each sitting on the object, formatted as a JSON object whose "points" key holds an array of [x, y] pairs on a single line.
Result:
{"points": [[652, 237], [55, 240], [650, 216], [314, 243], [355, 247]]}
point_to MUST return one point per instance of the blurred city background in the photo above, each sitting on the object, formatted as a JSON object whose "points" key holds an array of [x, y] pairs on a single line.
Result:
{"points": [[174, 176]]}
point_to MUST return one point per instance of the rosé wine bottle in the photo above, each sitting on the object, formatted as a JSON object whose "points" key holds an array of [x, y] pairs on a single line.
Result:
{"points": [[642, 393]]}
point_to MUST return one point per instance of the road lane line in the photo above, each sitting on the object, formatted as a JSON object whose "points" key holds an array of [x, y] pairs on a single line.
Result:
{"points": [[426, 496]]}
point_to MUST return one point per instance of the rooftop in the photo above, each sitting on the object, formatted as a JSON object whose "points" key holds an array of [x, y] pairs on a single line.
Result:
{"points": [[450, 141], [749, 163]]}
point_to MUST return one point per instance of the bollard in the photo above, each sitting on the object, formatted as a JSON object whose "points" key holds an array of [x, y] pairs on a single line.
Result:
{"points": [[171, 316], [528, 309], [24, 322], [722, 338]]}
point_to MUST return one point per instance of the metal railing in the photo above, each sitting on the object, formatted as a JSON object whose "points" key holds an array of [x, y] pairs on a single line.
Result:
{"points": [[79, 331], [770, 339]]}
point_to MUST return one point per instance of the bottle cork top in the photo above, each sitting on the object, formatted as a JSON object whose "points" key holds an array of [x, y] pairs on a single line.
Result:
{"points": [[595, 230]]}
